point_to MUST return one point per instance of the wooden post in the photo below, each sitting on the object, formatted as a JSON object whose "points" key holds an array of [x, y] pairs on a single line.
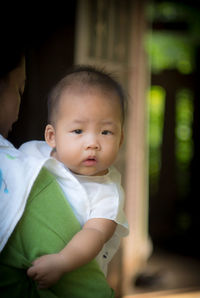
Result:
{"points": [[136, 247]]}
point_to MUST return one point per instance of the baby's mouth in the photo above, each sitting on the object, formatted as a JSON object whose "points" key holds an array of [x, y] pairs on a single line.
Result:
{"points": [[90, 161]]}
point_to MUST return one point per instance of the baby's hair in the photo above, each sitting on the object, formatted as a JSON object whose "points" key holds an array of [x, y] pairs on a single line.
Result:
{"points": [[84, 77]]}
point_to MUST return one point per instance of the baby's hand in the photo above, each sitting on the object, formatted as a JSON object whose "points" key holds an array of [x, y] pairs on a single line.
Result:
{"points": [[46, 270]]}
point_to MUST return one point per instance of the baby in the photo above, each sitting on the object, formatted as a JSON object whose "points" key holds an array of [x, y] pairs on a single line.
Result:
{"points": [[84, 135]]}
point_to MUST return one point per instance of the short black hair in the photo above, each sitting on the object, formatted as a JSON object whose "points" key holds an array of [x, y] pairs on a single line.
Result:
{"points": [[88, 76], [13, 49]]}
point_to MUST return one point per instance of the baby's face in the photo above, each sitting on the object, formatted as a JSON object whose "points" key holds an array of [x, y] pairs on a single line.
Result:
{"points": [[88, 131]]}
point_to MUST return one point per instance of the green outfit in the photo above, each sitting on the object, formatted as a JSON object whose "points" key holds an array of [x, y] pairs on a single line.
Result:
{"points": [[46, 226]]}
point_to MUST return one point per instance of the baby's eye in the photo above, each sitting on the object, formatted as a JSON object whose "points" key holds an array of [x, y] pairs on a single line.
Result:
{"points": [[107, 132], [78, 131]]}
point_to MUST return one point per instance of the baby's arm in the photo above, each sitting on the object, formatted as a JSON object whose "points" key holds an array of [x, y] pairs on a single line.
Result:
{"points": [[83, 247]]}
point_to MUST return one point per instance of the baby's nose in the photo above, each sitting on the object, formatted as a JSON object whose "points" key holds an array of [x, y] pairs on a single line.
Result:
{"points": [[92, 143]]}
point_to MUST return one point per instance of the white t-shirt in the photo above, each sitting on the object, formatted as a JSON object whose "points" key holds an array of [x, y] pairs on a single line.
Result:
{"points": [[90, 197]]}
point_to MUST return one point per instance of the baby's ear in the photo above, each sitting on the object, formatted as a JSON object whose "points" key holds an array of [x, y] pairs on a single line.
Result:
{"points": [[50, 135]]}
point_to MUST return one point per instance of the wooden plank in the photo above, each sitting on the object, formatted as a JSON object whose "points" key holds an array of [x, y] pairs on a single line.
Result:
{"points": [[136, 247], [184, 293]]}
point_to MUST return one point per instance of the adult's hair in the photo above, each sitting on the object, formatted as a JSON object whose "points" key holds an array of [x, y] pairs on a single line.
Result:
{"points": [[12, 50], [82, 77]]}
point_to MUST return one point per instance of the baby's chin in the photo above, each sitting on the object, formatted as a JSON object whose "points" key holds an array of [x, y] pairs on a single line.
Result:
{"points": [[90, 172]]}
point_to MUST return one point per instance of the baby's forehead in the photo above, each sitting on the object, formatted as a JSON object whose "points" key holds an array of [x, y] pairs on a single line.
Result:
{"points": [[107, 101], [74, 96], [81, 90]]}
